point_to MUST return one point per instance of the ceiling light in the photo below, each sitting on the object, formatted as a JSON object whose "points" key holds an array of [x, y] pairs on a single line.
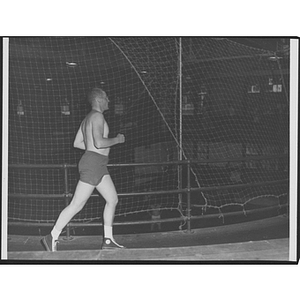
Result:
{"points": [[20, 109], [274, 58], [71, 64]]}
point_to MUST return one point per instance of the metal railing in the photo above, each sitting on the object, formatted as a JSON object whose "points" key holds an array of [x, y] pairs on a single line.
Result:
{"points": [[67, 195]]}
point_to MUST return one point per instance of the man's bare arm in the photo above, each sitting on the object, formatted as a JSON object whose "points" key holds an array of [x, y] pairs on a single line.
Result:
{"points": [[79, 141], [98, 134]]}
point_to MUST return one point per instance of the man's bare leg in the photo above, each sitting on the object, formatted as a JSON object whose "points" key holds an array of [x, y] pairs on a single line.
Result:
{"points": [[82, 194], [108, 191]]}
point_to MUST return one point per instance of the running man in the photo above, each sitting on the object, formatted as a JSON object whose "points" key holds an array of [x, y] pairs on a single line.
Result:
{"points": [[92, 136]]}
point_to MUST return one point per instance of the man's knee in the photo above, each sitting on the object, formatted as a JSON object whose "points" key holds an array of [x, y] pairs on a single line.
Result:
{"points": [[77, 206], [113, 200]]}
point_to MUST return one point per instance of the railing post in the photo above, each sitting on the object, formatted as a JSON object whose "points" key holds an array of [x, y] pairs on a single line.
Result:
{"points": [[189, 196], [67, 198]]}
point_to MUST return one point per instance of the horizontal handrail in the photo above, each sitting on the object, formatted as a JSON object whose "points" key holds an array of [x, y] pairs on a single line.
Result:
{"points": [[177, 191], [39, 196], [181, 162], [237, 186]]}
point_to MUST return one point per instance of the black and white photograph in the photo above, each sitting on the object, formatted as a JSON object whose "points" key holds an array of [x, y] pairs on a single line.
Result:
{"points": [[149, 149]]}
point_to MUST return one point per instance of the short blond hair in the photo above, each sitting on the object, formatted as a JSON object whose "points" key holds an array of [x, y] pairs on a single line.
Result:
{"points": [[94, 93]]}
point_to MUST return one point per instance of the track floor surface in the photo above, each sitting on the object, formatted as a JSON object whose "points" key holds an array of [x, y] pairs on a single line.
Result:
{"points": [[265, 239]]}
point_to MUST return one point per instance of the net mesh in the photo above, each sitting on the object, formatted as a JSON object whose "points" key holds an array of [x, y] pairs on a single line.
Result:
{"points": [[234, 105]]}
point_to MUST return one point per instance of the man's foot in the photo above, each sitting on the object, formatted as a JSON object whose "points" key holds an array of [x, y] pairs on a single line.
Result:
{"points": [[49, 244], [111, 244]]}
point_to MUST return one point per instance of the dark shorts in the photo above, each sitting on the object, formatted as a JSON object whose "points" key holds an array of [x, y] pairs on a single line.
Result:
{"points": [[92, 167]]}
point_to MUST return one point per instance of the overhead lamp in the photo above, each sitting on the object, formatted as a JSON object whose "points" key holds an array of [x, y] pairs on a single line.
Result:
{"points": [[20, 109], [65, 108], [274, 58], [71, 64]]}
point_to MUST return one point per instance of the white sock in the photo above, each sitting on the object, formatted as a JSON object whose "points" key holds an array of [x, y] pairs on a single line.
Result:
{"points": [[55, 233], [108, 232]]}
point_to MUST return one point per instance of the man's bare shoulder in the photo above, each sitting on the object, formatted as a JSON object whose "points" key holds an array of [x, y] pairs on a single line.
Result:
{"points": [[95, 117]]}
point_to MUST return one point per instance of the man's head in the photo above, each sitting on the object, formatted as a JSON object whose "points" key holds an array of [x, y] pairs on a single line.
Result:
{"points": [[98, 99]]}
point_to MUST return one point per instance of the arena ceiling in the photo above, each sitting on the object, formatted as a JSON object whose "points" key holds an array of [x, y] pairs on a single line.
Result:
{"points": [[52, 54]]}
